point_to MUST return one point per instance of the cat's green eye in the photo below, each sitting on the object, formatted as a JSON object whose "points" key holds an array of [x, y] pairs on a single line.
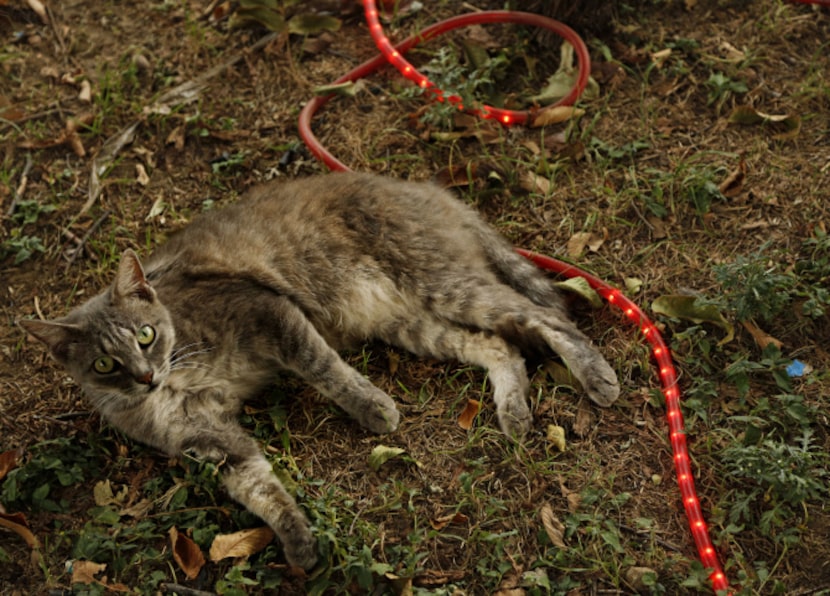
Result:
{"points": [[104, 365], [146, 335]]}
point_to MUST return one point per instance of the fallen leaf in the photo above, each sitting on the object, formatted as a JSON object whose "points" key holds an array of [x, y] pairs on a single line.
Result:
{"points": [[582, 240], [40, 9], [762, 338], [584, 421], [561, 82], [220, 11], [141, 175], [554, 528], [439, 523], [534, 183], [312, 24], [580, 286], [731, 53], [457, 175], [690, 308], [176, 138], [382, 454], [346, 89], [84, 572], [640, 578], [572, 496], [8, 461], [659, 57], [561, 375], [556, 114], [186, 553], [103, 494], [468, 415], [257, 13], [633, 285], [748, 115], [317, 45], [85, 94], [733, 184], [556, 436], [240, 544]]}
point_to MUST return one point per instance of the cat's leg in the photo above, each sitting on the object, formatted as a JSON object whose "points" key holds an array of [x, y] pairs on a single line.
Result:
{"points": [[250, 480], [305, 352], [506, 368], [502, 310]]}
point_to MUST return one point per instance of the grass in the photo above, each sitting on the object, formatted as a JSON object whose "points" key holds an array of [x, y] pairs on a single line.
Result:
{"points": [[458, 510]]}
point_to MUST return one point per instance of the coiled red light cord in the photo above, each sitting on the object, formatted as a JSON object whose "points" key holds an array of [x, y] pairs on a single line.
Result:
{"points": [[671, 391], [395, 56], [662, 355]]}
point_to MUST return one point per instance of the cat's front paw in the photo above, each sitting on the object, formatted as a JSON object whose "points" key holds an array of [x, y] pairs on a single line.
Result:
{"points": [[299, 545], [515, 418], [378, 413]]}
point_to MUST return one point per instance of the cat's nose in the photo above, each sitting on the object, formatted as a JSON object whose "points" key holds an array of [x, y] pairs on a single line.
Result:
{"points": [[145, 378]]}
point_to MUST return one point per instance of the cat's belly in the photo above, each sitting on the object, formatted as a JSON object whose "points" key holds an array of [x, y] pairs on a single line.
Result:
{"points": [[369, 306]]}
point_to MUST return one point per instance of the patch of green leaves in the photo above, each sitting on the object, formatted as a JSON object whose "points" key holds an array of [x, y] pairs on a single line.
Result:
{"points": [[54, 464], [20, 244]]}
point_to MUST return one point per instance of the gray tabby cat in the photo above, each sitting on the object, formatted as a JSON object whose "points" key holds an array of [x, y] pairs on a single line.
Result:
{"points": [[282, 280]]}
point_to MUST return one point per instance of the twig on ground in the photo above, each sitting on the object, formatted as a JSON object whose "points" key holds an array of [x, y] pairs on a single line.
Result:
{"points": [[21, 188], [79, 248], [183, 590]]}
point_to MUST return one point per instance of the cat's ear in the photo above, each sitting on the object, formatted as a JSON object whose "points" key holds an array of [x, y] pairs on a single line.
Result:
{"points": [[56, 335], [130, 281]]}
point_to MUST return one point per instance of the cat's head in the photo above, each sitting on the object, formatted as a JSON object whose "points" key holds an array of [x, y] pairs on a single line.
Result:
{"points": [[117, 345]]}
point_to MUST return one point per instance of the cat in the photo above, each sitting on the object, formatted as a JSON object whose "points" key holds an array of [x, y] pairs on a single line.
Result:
{"points": [[282, 280]]}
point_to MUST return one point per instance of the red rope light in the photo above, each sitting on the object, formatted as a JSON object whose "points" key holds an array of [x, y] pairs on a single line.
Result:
{"points": [[660, 351], [671, 391], [395, 56]]}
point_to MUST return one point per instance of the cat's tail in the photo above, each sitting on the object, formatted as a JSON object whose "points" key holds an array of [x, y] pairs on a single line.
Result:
{"points": [[517, 271]]}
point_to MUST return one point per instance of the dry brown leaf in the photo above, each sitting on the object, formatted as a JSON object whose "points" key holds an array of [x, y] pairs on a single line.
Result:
{"points": [[40, 9], [556, 114], [457, 175], [85, 94], [582, 240], [240, 544], [176, 138], [554, 528], [572, 496], [733, 184], [534, 183], [659, 57], [584, 420], [84, 572], [439, 523], [556, 437], [471, 410], [141, 175], [8, 461], [186, 553], [762, 338]]}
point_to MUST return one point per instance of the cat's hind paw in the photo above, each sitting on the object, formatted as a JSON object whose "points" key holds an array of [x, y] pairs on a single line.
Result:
{"points": [[601, 383]]}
